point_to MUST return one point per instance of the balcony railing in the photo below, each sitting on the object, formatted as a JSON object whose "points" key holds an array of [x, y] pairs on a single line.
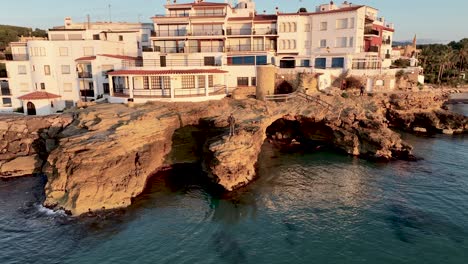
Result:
{"points": [[246, 47], [170, 33], [85, 75], [239, 31], [166, 93], [158, 93], [372, 49], [16, 57], [371, 32], [3, 74], [264, 31], [207, 33], [167, 63], [187, 49], [172, 15]]}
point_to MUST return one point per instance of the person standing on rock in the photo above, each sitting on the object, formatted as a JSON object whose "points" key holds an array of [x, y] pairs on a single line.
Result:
{"points": [[232, 124], [362, 90]]}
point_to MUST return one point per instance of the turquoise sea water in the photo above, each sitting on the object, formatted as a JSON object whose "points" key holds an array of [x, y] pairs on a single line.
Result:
{"points": [[303, 208]]}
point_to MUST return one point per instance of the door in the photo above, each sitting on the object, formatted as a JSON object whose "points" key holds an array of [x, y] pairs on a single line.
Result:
{"points": [[31, 108], [162, 60]]}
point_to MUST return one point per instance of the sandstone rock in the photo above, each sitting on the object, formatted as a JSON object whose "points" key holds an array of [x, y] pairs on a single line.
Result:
{"points": [[420, 129], [20, 166]]}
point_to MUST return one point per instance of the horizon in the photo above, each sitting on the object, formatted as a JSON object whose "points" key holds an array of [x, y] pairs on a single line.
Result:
{"points": [[407, 24]]}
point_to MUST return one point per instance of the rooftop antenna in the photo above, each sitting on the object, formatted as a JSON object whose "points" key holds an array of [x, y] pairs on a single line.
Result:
{"points": [[88, 20], [110, 13]]}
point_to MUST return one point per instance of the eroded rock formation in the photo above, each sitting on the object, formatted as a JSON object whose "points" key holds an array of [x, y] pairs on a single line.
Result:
{"points": [[106, 155]]}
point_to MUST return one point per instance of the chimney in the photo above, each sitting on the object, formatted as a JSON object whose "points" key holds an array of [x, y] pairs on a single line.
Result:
{"points": [[68, 22]]}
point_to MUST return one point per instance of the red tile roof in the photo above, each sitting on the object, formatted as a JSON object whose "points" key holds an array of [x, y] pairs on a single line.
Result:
{"points": [[122, 57], [344, 9], [165, 72], [38, 96], [86, 58]]}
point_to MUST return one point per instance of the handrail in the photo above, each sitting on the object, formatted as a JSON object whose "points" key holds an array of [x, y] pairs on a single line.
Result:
{"points": [[296, 94]]}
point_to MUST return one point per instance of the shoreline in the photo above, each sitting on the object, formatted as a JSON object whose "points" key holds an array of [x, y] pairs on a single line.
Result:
{"points": [[104, 137]]}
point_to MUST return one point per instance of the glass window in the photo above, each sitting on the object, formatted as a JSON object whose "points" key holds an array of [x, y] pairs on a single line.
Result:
{"points": [[188, 82], [320, 63], [261, 60], [6, 101], [42, 86], [63, 51], [323, 43], [65, 69], [341, 42], [201, 81], [305, 63], [351, 42], [88, 51], [47, 69], [337, 62], [253, 81], [342, 23], [307, 27], [242, 81], [323, 26]]}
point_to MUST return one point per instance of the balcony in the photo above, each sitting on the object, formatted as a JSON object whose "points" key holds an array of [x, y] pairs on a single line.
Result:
{"points": [[170, 33], [85, 75], [3, 74], [168, 63], [17, 57], [246, 47], [372, 49], [368, 32], [208, 33], [240, 31], [195, 49], [264, 31]]}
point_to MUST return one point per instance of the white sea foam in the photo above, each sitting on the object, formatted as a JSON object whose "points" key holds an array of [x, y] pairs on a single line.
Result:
{"points": [[49, 212]]}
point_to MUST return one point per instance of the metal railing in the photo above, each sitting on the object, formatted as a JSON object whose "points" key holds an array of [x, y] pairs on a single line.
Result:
{"points": [[167, 63], [239, 31], [371, 32], [245, 47], [170, 33], [264, 31], [87, 93], [152, 93], [207, 33]]}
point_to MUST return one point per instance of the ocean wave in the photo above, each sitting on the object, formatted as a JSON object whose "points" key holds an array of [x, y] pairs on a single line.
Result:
{"points": [[49, 212]]}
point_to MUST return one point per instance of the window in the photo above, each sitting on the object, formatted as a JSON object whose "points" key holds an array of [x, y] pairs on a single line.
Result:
{"points": [[144, 38], [342, 23], [42, 86], [88, 51], [351, 22], [293, 27], [33, 68], [242, 81], [261, 60], [21, 69], [65, 69], [96, 37], [57, 36], [253, 81], [201, 81], [188, 82], [337, 62], [307, 27], [209, 61], [351, 42], [47, 69], [24, 87], [305, 63], [105, 88], [146, 82], [166, 81], [6, 101], [241, 60], [323, 43], [75, 37], [320, 63], [63, 51], [282, 26], [155, 82], [67, 87], [323, 26], [210, 80], [341, 42], [121, 38]]}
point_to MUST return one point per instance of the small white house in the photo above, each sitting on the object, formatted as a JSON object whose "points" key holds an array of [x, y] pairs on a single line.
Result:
{"points": [[41, 103]]}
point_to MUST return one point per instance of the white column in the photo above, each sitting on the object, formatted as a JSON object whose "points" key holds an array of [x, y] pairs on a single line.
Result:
{"points": [[130, 86], [111, 85], [172, 87], [207, 85]]}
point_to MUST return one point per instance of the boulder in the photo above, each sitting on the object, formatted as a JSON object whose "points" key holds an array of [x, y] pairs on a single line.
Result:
{"points": [[20, 166]]}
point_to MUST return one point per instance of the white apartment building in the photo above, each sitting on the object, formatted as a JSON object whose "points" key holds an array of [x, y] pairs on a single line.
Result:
{"points": [[194, 51], [70, 66]]}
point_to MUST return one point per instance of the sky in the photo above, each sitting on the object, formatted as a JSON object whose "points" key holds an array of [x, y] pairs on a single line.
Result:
{"points": [[429, 19]]}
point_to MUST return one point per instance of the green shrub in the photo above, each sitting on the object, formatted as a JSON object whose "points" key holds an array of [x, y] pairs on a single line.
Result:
{"points": [[345, 95]]}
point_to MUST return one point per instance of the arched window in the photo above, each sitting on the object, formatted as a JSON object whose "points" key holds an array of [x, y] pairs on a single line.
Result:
{"points": [[289, 27], [283, 44], [289, 44], [293, 27], [293, 44], [282, 27]]}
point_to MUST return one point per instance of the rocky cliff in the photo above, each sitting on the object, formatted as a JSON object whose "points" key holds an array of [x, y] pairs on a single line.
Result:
{"points": [[26, 141], [106, 155]]}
